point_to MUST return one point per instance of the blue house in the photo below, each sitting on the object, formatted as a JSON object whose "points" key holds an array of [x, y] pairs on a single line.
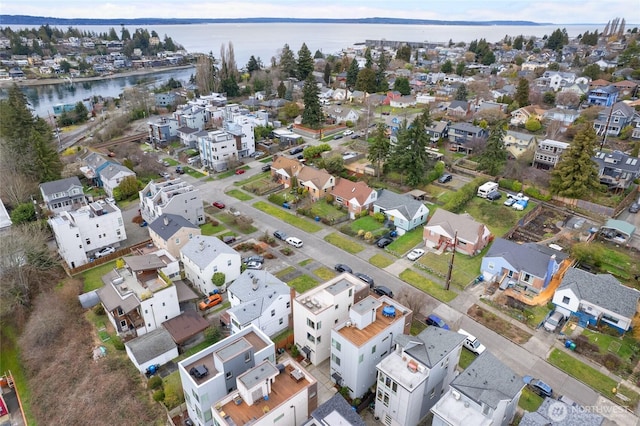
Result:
{"points": [[603, 96]]}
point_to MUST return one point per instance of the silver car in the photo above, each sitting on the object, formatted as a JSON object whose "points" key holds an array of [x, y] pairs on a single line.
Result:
{"points": [[553, 321]]}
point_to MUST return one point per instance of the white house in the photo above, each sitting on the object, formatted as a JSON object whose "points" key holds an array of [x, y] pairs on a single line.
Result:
{"points": [[155, 347], [318, 310], [112, 175], [172, 196], [259, 298], [63, 194], [404, 211], [485, 393], [358, 344], [212, 373], [416, 373], [595, 299], [242, 130], [217, 149], [203, 256], [81, 233]]}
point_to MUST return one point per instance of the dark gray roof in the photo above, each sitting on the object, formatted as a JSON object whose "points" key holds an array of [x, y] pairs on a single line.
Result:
{"points": [[488, 381], [467, 127], [59, 185], [184, 292], [174, 224], [187, 130], [532, 258], [572, 416], [404, 203], [338, 404], [95, 160], [459, 104], [431, 346], [256, 291], [603, 290], [151, 345], [113, 169], [110, 297], [617, 160]]}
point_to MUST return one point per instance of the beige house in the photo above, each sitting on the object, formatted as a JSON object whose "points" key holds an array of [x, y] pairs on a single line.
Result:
{"points": [[355, 196], [319, 183], [171, 232], [520, 116], [517, 143], [284, 169], [444, 227]]}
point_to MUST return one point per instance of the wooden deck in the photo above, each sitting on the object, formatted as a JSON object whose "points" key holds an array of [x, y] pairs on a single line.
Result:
{"points": [[546, 294], [361, 336]]}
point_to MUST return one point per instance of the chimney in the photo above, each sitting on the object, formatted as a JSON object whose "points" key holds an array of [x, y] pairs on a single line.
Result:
{"points": [[166, 221], [255, 284]]}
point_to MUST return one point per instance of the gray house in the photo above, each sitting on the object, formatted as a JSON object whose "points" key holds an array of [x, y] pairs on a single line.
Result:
{"points": [[616, 169], [63, 194], [551, 410], [460, 134], [402, 210]]}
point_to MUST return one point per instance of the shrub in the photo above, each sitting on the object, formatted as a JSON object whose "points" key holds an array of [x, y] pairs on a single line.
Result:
{"points": [[174, 394], [212, 334], [99, 310], [364, 213], [158, 396], [611, 362], [368, 236], [361, 233], [155, 382], [218, 279], [287, 251], [330, 199], [295, 351], [118, 343], [535, 193], [379, 217]]}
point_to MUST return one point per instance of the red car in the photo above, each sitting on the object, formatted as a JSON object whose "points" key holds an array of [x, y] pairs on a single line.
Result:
{"points": [[239, 171], [218, 204]]}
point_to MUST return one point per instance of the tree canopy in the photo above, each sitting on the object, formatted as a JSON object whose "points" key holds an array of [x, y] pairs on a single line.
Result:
{"points": [[493, 158], [312, 114]]}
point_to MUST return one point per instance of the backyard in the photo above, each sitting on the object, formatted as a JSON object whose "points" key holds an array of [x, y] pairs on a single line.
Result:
{"points": [[499, 325], [465, 268], [422, 283], [299, 222]]}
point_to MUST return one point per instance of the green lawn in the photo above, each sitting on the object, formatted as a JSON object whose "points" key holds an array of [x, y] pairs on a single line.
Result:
{"points": [[417, 326], [381, 261], [367, 224], [285, 271], [344, 243], [252, 178], [305, 262], [591, 377], [623, 347], [303, 283], [324, 273], [406, 242], [209, 229], [498, 218], [93, 277], [278, 212], [466, 358], [266, 160], [193, 172], [328, 211], [236, 193], [422, 283], [465, 268], [230, 221], [529, 401], [10, 361], [224, 175], [171, 161]]}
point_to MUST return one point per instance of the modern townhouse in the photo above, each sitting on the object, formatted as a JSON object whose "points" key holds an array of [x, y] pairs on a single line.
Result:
{"points": [[446, 231], [191, 115], [485, 393], [318, 310], [218, 150], [81, 233], [63, 194], [162, 130], [204, 256], [361, 342], [615, 118], [189, 136], [242, 131], [415, 375], [548, 153], [616, 169], [402, 210], [174, 197], [171, 232], [259, 298]]}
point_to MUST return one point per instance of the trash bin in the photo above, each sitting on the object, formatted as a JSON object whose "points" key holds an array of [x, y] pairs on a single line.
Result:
{"points": [[286, 205], [569, 344], [317, 218]]}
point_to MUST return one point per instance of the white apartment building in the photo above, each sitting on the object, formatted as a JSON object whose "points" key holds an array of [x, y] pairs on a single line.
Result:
{"points": [[203, 256], [416, 375], [81, 233], [261, 299], [212, 373], [194, 116], [242, 130], [217, 149], [172, 196], [319, 310], [361, 342]]}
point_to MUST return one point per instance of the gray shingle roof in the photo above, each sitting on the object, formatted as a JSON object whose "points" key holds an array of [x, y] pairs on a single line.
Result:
{"points": [[431, 345], [603, 290], [151, 345], [574, 416], [174, 224], [146, 262], [202, 250], [531, 258], [110, 297], [255, 298], [113, 169], [338, 404], [59, 185], [404, 203], [487, 380], [468, 228]]}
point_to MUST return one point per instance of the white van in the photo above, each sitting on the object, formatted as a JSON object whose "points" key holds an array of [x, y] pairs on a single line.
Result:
{"points": [[487, 188], [472, 343]]}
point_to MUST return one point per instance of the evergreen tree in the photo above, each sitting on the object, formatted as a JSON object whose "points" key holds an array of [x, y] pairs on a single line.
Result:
{"points": [[460, 67], [404, 53], [368, 58], [522, 93], [518, 42], [382, 85], [379, 148], [305, 62], [287, 62], [402, 85], [409, 155], [366, 81], [253, 64], [282, 90], [494, 157], [352, 74], [327, 73], [318, 55], [312, 114], [461, 93], [576, 175], [447, 67]]}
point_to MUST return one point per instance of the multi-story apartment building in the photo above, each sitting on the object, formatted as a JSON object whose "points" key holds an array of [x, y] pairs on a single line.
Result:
{"points": [[63, 194], [241, 128], [203, 256], [81, 233], [548, 153], [162, 130], [172, 196], [358, 344], [212, 373], [217, 150], [317, 311], [137, 298], [415, 375]]}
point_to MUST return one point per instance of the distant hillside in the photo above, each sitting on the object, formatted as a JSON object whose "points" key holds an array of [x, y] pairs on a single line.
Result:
{"points": [[7, 20]]}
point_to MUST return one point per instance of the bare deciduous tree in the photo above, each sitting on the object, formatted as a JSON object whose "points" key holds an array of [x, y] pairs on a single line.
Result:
{"points": [[413, 300]]}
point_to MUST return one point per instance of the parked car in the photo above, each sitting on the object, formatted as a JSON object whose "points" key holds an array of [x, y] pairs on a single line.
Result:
{"points": [[383, 242], [472, 343], [634, 208], [336, 137], [219, 204], [509, 202], [348, 132], [355, 136], [436, 321], [179, 170], [554, 320], [240, 171], [256, 154], [538, 386], [296, 242], [105, 251], [165, 175], [266, 167], [366, 278], [341, 267], [296, 150], [445, 178], [415, 254], [254, 258], [210, 302], [383, 291], [494, 195], [280, 235], [254, 265], [228, 239], [166, 163], [143, 224]]}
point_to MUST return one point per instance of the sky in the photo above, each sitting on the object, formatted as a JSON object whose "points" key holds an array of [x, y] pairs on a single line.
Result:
{"points": [[552, 11]]}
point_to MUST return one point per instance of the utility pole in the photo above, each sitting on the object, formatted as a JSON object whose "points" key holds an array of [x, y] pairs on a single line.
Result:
{"points": [[453, 255], [606, 128]]}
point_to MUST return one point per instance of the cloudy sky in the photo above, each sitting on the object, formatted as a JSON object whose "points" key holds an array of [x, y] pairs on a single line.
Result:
{"points": [[553, 11]]}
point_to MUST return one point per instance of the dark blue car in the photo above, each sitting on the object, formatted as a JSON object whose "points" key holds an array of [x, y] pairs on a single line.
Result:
{"points": [[436, 321]]}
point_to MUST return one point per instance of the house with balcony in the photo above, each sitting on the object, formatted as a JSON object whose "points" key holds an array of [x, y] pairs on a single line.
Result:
{"points": [[517, 143], [603, 96], [485, 393], [460, 134], [438, 130], [171, 196], [259, 298], [212, 374], [520, 116], [162, 131], [361, 342], [317, 182], [401, 210], [616, 169], [356, 197], [446, 230], [548, 153], [414, 376], [615, 118], [217, 150], [63, 194], [191, 115], [596, 299], [81, 233], [318, 310], [203, 256], [284, 169], [137, 297], [171, 232], [555, 80], [241, 129]]}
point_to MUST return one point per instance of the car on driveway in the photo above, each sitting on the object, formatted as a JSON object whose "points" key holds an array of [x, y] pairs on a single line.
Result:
{"points": [[296, 150], [634, 208], [105, 251], [293, 241], [210, 302], [165, 175], [219, 204], [280, 235], [254, 265], [509, 202], [445, 178], [341, 267], [348, 132], [415, 254], [240, 171], [366, 278], [266, 167], [494, 195], [383, 242], [554, 321], [538, 386], [254, 258], [383, 291], [436, 321]]}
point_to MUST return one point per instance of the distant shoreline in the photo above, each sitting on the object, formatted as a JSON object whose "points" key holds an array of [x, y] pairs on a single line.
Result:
{"points": [[48, 81]]}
